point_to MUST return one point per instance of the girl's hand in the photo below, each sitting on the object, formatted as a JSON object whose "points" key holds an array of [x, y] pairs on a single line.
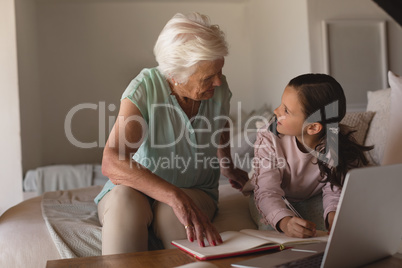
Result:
{"points": [[297, 227], [195, 222], [330, 219]]}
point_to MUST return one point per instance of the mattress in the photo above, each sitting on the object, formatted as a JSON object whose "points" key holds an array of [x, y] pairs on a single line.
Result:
{"points": [[24, 237]]}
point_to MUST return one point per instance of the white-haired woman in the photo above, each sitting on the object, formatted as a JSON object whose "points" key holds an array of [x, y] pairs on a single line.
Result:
{"points": [[170, 143]]}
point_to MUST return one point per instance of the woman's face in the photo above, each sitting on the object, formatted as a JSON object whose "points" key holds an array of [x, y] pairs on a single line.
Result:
{"points": [[289, 114], [201, 84]]}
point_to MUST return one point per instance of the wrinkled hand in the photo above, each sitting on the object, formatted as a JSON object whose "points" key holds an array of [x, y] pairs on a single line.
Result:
{"points": [[237, 178], [297, 227], [195, 222]]}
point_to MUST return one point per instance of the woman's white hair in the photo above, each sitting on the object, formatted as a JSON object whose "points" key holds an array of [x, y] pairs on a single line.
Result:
{"points": [[185, 41]]}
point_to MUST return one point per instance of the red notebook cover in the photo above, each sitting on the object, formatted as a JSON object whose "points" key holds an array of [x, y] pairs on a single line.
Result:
{"points": [[232, 254]]}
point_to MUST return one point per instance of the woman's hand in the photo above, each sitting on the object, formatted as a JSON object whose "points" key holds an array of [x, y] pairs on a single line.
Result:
{"points": [[195, 222], [297, 227], [237, 177]]}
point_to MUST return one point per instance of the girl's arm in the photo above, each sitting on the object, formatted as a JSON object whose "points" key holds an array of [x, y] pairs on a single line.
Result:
{"points": [[330, 220], [268, 179], [330, 199]]}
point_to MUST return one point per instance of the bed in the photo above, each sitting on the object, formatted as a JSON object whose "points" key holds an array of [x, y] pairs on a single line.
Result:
{"points": [[64, 224]]}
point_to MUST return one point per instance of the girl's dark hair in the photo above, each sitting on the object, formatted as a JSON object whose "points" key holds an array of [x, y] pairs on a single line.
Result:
{"points": [[323, 101]]}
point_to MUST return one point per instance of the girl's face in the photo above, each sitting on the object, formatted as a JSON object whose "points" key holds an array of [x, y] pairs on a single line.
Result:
{"points": [[290, 114]]}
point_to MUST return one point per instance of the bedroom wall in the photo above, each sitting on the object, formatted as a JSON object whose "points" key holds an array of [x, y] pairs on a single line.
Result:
{"points": [[30, 93], [82, 54], [87, 52], [280, 42], [10, 139], [319, 10]]}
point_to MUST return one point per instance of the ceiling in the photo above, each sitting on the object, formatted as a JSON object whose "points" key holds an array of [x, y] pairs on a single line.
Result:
{"points": [[393, 8]]}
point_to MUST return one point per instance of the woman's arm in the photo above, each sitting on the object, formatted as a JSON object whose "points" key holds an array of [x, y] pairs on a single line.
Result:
{"points": [[117, 164], [237, 177]]}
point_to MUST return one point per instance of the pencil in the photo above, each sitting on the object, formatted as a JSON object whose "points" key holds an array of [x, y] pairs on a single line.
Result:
{"points": [[291, 207]]}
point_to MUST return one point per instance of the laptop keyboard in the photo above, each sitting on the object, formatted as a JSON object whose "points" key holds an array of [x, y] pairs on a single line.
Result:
{"points": [[308, 262]]}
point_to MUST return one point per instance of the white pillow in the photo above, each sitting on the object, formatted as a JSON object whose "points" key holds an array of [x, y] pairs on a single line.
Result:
{"points": [[379, 102], [261, 114], [238, 121], [245, 130], [243, 120], [393, 152]]}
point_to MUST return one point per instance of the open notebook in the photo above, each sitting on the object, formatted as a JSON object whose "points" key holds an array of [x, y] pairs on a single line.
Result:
{"points": [[244, 242], [367, 226]]}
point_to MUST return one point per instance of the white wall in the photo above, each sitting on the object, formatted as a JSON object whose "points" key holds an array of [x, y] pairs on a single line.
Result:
{"points": [[280, 47], [28, 72], [10, 157], [319, 10], [87, 52]]}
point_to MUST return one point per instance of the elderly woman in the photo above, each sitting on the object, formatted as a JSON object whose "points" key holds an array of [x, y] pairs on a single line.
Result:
{"points": [[170, 143]]}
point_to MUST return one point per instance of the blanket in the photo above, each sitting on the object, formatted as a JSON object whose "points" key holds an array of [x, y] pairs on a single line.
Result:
{"points": [[71, 217], [72, 220]]}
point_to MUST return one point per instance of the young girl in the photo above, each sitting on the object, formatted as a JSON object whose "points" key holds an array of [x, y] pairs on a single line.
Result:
{"points": [[304, 152]]}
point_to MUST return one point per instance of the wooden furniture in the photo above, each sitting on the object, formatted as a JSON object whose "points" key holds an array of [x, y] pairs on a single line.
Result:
{"points": [[158, 259], [172, 258]]}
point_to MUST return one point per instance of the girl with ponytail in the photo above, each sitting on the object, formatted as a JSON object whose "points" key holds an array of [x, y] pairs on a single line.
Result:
{"points": [[304, 154]]}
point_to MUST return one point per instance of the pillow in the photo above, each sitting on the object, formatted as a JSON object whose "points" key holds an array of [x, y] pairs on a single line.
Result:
{"points": [[260, 123], [241, 145], [242, 141], [242, 119], [379, 102], [393, 151], [264, 113], [238, 121], [359, 121]]}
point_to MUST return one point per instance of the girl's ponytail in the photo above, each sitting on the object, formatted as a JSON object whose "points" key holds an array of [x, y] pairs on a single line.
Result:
{"points": [[348, 154]]}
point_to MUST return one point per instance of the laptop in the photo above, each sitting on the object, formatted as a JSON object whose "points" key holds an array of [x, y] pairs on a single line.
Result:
{"points": [[367, 225]]}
